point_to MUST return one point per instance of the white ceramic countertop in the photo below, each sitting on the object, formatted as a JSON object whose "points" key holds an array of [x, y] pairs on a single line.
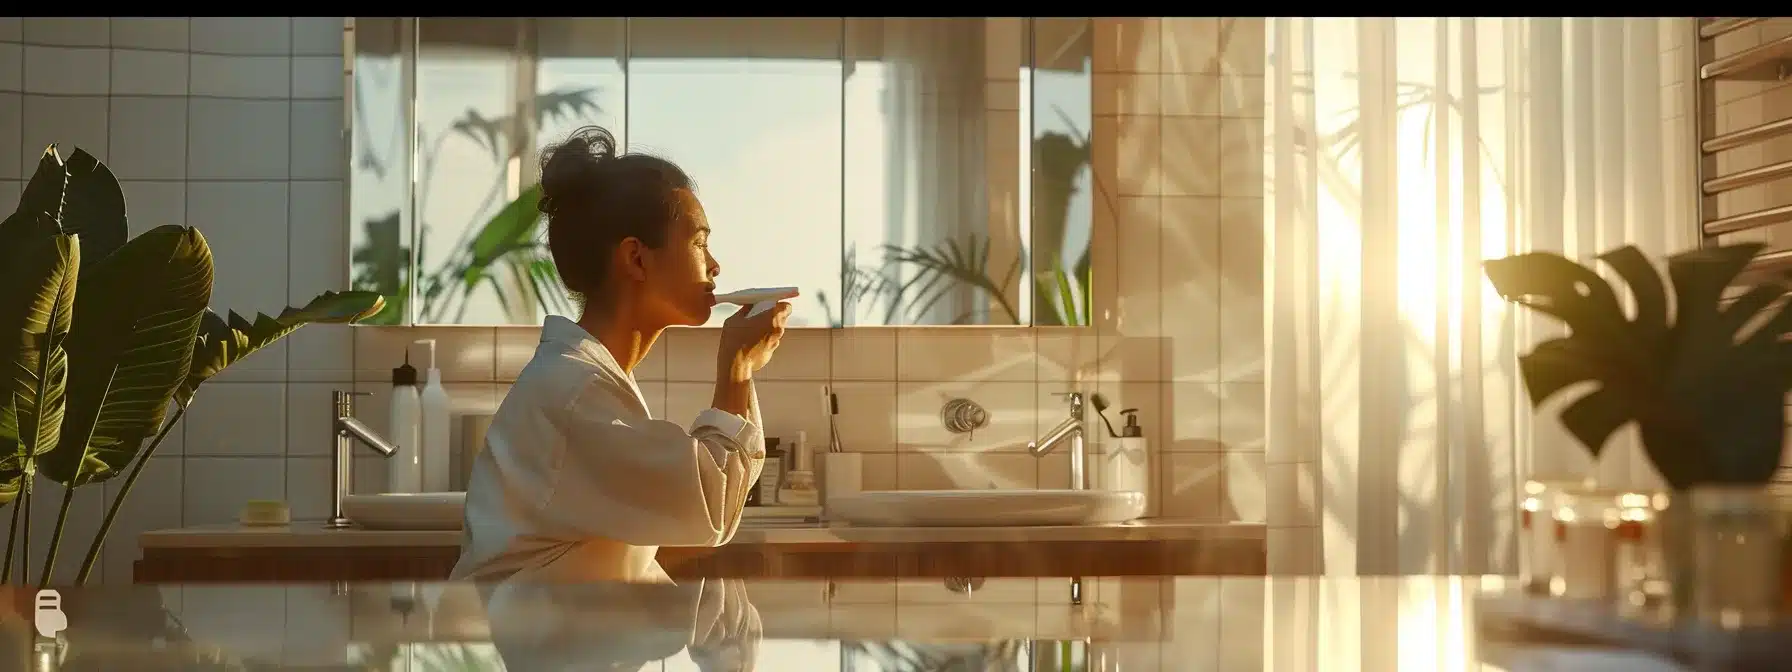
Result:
{"points": [[751, 532]]}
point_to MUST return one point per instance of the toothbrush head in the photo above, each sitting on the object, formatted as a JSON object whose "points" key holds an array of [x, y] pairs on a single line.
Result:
{"points": [[1101, 405]]}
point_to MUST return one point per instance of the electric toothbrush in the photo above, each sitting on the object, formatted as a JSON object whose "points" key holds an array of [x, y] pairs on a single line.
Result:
{"points": [[760, 298]]}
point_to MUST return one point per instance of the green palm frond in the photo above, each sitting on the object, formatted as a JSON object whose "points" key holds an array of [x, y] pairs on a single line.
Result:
{"points": [[946, 265]]}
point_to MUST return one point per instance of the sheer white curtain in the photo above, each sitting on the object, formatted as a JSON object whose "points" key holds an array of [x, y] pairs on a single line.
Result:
{"points": [[1401, 154], [935, 140]]}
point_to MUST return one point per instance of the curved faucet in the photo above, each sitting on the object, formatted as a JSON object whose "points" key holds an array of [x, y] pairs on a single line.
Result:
{"points": [[347, 430], [1071, 429]]}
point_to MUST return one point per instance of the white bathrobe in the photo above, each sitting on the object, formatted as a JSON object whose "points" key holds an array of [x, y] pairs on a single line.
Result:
{"points": [[614, 626], [577, 482]]}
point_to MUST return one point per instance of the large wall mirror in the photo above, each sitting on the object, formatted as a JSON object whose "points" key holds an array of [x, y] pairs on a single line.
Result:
{"points": [[899, 171]]}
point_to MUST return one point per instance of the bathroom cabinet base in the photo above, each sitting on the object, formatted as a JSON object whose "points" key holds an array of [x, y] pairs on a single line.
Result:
{"points": [[1183, 557]]}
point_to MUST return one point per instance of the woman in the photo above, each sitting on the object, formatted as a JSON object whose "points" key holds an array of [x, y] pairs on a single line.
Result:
{"points": [[577, 482]]}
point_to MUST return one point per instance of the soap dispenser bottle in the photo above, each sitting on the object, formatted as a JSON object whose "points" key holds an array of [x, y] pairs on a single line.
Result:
{"points": [[1126, 466], [435, 451], [405, 475]]}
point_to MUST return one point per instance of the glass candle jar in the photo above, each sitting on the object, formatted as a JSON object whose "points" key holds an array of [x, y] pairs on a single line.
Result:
{"points": [[1739, 539], [1537, 538], [1587, 538]]}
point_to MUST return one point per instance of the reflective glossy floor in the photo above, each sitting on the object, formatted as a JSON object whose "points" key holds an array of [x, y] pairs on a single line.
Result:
{"points": [[1182, 624]]}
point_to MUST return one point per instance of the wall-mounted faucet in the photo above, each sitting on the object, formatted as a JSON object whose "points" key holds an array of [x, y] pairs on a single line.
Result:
{"points": [[1071, 429], [347, 431]]}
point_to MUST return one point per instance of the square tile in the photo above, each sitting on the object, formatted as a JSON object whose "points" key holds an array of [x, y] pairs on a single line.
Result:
{"points": [[241, 76], [149, 204], [149, 138], [86, 31], [238, 219], [140, 72], [237, 420], [317, 35], [12, 124], [225, 127], [863, 353], [1192, 417], [965, 354], [1192, 486], [1190, 285], [150, 32], [214, 489], [803, 354], [318, 140], [318, 76], [67, 71], [1127, 44], [256, 35]]}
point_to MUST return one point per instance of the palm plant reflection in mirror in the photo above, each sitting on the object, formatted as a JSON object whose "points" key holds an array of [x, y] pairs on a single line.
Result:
{"points": [[506, 252], [911, 280]]}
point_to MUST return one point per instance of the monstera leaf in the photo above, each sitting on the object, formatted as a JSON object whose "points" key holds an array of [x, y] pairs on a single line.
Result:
{"points": [[1727, 384], [131, 347], [37, 302], [1710, 404], [222, 342]]}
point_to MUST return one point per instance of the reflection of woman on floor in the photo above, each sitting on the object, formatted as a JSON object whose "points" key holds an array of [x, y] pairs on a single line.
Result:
{"points": [[620, 626]]}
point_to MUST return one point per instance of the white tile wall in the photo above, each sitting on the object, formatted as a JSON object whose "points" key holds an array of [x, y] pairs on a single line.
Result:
{"points": [[225, 124], [232, 125]]}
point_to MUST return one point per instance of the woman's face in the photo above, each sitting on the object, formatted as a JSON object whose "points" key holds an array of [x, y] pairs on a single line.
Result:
{"points": [[680, 285]]}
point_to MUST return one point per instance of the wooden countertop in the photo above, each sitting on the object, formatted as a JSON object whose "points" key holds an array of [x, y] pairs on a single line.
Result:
{"points": [[752, 532], [761, 549]]}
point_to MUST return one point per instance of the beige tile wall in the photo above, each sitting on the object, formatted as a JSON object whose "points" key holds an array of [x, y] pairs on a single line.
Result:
{"points": [[175, 106], [1742, 105]]}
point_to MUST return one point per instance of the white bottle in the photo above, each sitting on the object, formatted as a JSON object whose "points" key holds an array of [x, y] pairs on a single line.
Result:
{"points": [[435, 451], [405, 474], [1124, 469]]}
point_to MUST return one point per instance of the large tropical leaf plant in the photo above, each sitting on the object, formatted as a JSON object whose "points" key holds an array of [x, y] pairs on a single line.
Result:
{"points": [[1704, 379], [101, 332]]}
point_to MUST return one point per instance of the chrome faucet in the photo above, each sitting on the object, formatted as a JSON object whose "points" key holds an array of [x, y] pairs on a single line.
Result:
{"points": [[1070, 429], [348, 430]]}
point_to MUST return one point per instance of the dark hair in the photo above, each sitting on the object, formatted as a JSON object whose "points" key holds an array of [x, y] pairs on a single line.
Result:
{"points": [[595, 198]]}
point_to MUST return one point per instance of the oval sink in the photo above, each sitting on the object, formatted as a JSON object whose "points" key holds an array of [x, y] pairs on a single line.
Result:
{"points": [[420, 511], [987, 508]]}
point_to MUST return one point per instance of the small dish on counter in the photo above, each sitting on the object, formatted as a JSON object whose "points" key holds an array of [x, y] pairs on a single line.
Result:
{"points": [[265, 513]]}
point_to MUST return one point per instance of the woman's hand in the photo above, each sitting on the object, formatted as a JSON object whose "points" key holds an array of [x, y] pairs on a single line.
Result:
{"points": [[748, 342]]}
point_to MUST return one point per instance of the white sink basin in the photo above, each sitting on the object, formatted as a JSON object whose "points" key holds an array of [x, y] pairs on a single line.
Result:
{"points": [[981, 508], [421, 511]]}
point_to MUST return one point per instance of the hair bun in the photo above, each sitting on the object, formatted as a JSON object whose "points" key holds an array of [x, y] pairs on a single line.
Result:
{"points": [[568, 168]]}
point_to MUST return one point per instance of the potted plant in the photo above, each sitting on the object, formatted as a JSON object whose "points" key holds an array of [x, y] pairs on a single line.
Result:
{"points": [[1704, 379], [99, 332]]}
